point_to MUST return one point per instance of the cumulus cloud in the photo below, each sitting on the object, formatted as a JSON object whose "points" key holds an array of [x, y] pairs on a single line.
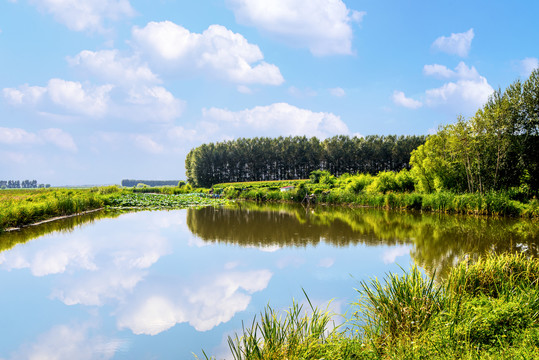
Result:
{"points": [[73, 96], [465, 93], [25, 95], [216, 51], [279, 119], [110, 66], [322, 26], [400, 99], [153, 103], [456, 44], [527, 65], [85, 15], [134, 101], [57, 137], [462, 71], [468, 92], [66, 95]]}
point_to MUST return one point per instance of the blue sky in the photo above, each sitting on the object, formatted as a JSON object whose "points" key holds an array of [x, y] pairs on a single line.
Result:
{"points": [[95, 91]]}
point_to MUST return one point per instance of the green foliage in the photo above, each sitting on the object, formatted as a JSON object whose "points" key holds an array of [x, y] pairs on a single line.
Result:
{"points": [[413, 317], [495, 150], [161, 201]]}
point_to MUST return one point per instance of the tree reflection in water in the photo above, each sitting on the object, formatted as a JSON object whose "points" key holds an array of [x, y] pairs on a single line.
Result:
{"points": [[438, 241]]}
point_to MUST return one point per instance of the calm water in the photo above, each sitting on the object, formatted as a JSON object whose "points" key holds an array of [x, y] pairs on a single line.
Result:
{"points": [[164, 284]]}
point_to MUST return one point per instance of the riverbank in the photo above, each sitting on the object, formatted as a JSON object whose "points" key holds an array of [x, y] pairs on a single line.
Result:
{"points": [[21, 208], [382, 192], [486, 310]]}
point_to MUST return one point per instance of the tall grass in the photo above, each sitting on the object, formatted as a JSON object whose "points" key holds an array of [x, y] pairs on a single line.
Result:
{"points": [[23, 207], [485, 310], [401, 305]]}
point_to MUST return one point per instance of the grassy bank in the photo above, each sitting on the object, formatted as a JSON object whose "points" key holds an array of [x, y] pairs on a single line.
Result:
{"points": [[386, 190], [23, 207], [488, 310]]}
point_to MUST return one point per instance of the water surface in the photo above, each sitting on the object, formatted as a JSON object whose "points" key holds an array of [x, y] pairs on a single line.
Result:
{"points": [[164, 284]]}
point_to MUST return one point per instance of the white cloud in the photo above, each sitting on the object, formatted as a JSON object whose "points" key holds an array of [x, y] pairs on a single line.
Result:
{"points": [[462, 71], [216, 51], [465, 94], [25, 95], [456, 44], [244, 89], [400, 99], [147, 144], [527, 65], [301, 93], [71, 95], [279, 119], [81, 15], [58, 137], [153, 103], [12, 136], [440, 71], [137, 101], [322, 26], [110, 66], [67, 95], [180, 133], [469, 92], [338, 92]]}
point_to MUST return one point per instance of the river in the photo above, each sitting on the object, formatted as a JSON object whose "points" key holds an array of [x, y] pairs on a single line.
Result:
{"points": [[166, 284]]}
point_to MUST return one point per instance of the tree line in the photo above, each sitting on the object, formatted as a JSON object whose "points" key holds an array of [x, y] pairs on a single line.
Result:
{"points": [[495, 150], [131, 182], [286, 158], [25, 184]]}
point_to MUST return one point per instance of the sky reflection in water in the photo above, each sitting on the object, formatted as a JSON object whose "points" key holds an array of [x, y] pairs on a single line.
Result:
{"points": [[164, 284]]}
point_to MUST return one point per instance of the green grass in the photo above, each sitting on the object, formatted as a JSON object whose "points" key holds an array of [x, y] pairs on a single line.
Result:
{"points": [[23, 207], [486, 310]]}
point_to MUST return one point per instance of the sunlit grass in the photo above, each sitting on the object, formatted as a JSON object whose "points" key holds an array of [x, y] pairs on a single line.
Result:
{"points": [[486, 310]]}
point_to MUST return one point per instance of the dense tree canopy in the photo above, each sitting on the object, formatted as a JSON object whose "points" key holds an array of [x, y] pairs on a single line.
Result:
{"points": [[284, 158], [497, 149]]}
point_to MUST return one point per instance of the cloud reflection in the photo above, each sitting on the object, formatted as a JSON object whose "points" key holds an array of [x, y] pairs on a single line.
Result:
{"points": [[203, 307], [70, 342], [390, 255]]}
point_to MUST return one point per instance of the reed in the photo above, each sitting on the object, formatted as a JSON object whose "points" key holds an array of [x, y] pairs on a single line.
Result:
{"points": [[483, 310], [284, 336]]}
